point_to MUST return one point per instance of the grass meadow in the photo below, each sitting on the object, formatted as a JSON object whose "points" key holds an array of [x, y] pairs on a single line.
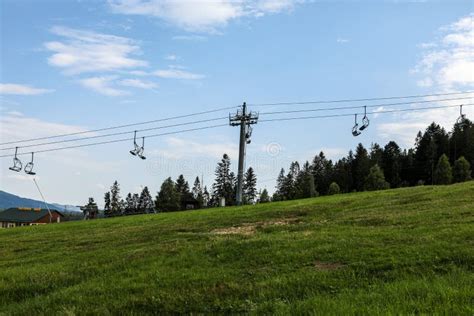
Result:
{"points": [[402, 251]]}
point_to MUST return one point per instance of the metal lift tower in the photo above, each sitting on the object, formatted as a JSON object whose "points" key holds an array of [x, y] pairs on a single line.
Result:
{"points": [[244, 120]]}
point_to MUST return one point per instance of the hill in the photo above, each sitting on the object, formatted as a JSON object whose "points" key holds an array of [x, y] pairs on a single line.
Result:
{"points": [[8, 200], [400, 251]]}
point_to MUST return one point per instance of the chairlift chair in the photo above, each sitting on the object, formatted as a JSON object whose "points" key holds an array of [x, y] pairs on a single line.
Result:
{"points": [[136, 149], [355, 129], [17, 165], [142, 150], [365, 120], [29, 166], [462, 117], [248, 134]]}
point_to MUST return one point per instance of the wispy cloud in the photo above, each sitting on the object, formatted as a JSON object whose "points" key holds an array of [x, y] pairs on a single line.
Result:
{"points": [[103, 85], [181, 148], [201, 16], [83, 51], [449, 61], [447, 64], [171, 57], [194, 38], [341, 40], [18, 89], [137, 83], [177, 74]]}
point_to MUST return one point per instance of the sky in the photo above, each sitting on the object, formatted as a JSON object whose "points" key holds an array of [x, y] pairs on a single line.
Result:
{"points": [[72, 66]]}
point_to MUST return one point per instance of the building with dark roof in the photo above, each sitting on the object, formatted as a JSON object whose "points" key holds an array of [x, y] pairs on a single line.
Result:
{"points": [[22, 216]]}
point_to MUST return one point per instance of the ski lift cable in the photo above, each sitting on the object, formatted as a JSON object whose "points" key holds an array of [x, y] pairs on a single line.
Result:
{"points": [[228, 108], [359, 100], [120, 126], [352, 114], [115, 134], [359, 106], [222, 125], [118, 140]]}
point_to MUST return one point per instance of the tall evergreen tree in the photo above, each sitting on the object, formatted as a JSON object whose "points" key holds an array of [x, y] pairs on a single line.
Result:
{"points": [[279, 194], [360, 167], [182, 186], [168, 198], [391, 163], [430, 145], [250, 186], [198, 193], [305, 187], [224, 186], [115, 200], [129, 205], [145, 202], [107, 209], [136, 202]]}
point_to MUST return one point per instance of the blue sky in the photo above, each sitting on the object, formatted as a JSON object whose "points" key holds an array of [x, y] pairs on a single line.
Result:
{"points": [[76, 65]]}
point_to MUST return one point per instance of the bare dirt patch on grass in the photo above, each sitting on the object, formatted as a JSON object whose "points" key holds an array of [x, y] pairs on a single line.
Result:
{"points": [[328, 266], [251, 228]]}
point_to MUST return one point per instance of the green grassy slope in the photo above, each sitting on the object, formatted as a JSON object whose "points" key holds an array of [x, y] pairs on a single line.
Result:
{"points": [[397, 251]]}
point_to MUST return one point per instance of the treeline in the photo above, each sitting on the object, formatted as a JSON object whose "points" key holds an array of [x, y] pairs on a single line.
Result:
{"points": [[438, 157], [177, 195]]}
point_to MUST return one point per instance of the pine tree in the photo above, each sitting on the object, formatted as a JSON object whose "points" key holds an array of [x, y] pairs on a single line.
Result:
{"points": [[391, 158], [135, 202], [115, 205], [305, 184], [107, 209], [168, 199], [129, 205], [376, 180], [224, 184], [198, 193], [360, 167], [322, 170], [250, 186], [461, 170], [182, 186], [443, 172], [90, 210], [146, 204], [278, 195]]}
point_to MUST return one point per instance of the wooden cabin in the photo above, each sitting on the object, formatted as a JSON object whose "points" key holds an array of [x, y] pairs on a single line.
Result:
{"points": [[22, 216]]}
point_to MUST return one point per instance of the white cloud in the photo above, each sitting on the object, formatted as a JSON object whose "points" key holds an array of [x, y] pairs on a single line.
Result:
{"points": [[171, 57], [201, 16], [136, 83], [177, 74], [103, 85], [194, 38], [341, 40], [86, 51], [448, 63], [182, 148], [18, 89]]}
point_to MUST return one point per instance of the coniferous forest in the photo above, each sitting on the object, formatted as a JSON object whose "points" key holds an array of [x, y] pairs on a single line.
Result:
{"points": [[438, 157]]}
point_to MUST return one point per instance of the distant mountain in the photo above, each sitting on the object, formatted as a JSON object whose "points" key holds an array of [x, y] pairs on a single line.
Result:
{"points": [[8, 200]]}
